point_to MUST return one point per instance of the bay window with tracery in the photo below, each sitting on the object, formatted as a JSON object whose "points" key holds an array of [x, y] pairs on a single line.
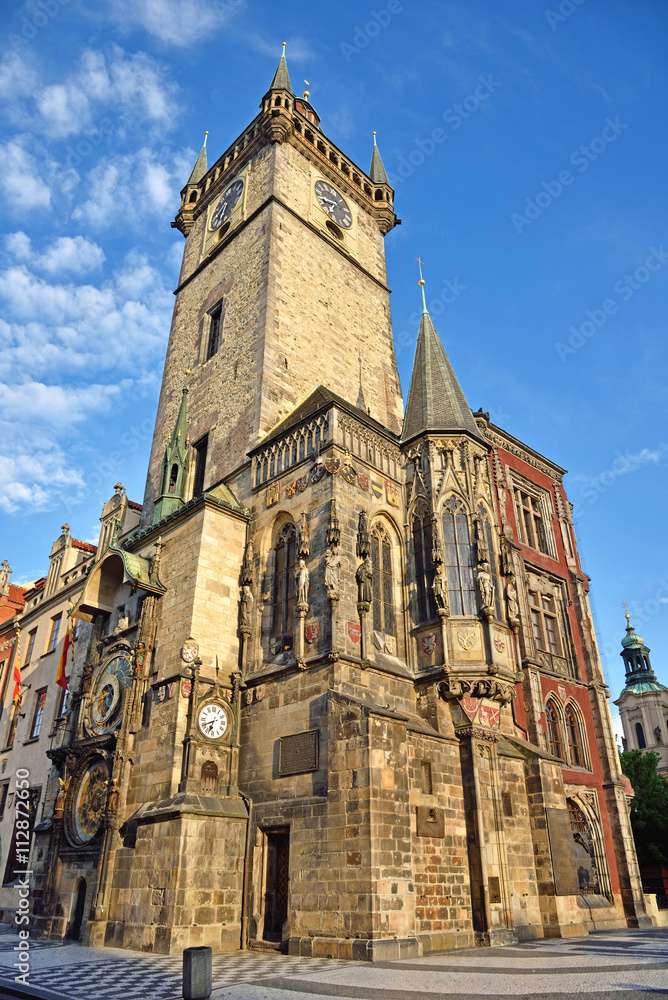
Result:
{"points": [[421, 531], [383, 586], [458, 558], [284, 581]]}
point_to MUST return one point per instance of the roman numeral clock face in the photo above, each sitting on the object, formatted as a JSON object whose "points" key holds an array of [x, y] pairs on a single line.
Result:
{"points": [[226, 204], [212, 720], [333, 204]]}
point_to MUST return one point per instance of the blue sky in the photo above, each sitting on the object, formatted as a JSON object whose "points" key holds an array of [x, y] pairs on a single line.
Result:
{"points": [[527, 145]]}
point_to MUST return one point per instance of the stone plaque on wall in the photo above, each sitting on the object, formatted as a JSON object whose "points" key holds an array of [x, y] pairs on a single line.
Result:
{"points": [[299, 753], [563, 852], [430, 822]]}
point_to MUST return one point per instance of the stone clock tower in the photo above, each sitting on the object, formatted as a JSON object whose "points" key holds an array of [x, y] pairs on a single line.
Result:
{"points": [[338, 691], [283, 285]]}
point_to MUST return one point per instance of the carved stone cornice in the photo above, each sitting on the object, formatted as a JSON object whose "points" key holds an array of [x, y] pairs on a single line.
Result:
{"points": [[485, 686]]}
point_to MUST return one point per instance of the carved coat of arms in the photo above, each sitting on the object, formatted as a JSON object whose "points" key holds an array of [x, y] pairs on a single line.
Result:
{"points": [[302, 483], [428, 643], [500, 644], [332, 465], [349, 474], [354, 631], [189, 651], [186, 688], [392, 493], [317, 472], [376, 489], [470, 706], [273, 493], [363, 481], [488, 715], [290, 490], [466, 639], [311, 630]]}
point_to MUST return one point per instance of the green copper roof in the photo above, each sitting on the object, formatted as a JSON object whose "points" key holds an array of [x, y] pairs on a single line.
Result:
{"points": [[200, 167], [631, 640], [436, 402], [281, 79], [377, 170], [642, 687]]}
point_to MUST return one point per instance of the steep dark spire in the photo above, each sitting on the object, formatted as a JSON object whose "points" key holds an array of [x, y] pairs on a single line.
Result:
{"points": [[200, 167], [377, 170], [281, 79], [174, 465], [436, 403]]}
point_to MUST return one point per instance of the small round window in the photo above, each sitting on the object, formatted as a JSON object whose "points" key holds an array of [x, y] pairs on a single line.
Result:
{"points": [[334, 230]]}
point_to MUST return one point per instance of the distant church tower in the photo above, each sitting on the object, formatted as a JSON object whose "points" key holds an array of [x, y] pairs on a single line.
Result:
{"points": [[643, 704]]}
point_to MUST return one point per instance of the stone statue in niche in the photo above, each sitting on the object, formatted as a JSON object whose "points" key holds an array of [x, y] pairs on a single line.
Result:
{"points": [[364, 577], [332, 569], [511, 601], [246, 606], [658, 736], [440, 590], [302, 577], [485, 585]]}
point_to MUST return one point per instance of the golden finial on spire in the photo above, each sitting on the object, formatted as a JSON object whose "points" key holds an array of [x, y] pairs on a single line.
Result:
{"points": [[626, 612], [374, 138], [306, 93], [206, 136], [421, 284], [283, 52]]}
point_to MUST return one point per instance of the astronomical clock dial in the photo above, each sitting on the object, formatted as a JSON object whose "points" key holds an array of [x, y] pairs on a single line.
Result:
{"points": [[333, 204], [226, 204], [213, 720], [106, 692], [89, 802]]}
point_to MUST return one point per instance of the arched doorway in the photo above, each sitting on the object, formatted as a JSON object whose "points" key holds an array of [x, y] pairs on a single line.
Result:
{"points": [[79, 906]]}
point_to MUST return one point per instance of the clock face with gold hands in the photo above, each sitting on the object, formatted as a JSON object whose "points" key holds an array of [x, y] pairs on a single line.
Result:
{"points": [[89, 803], [212, 720], [333, 204], [107, 691], [226, 205]]}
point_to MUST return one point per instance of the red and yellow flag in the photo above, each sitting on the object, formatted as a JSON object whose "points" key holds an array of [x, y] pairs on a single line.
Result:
{"points": [[17, 669], [61, 676]]}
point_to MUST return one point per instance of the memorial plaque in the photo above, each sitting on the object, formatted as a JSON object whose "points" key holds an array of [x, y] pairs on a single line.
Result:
{"points": [[299, 753], [494, 884], [430, 822], [562, 846]]}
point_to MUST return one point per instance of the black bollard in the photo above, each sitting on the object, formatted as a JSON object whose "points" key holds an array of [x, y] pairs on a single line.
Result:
{"points": [[197, 981]]}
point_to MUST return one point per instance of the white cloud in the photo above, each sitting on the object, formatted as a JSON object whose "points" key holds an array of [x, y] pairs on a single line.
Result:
{"points": [[17, 77], [176, 22], [75, 255], [64, 108], [125, 188], [21, 183]]}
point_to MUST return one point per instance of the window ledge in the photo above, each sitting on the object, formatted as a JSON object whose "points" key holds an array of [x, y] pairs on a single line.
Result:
{"points": [[10, 746], [33, 739], [48, 653]]}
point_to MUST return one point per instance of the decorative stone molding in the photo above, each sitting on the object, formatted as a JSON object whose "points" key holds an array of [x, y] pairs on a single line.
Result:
{"points": [[477, 687]]}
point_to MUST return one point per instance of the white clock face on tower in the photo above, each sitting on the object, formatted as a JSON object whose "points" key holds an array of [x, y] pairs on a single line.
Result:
{"points": [[212, 720]]}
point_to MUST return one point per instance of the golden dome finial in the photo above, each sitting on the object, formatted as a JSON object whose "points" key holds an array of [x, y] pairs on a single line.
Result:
{"points": [[306, 93]]}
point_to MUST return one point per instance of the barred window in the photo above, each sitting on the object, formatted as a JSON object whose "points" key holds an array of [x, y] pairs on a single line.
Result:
{"points": [[574, 737], [381, 563], [553, 729], [458, 558], [284, 581], [423, 565]]}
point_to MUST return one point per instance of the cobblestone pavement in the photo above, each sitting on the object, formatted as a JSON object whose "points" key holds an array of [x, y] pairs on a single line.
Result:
{"points": [[619, 965]]}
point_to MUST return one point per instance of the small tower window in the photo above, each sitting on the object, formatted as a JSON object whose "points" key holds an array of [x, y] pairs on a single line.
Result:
{"points": [[334, 230], [201, 448], [284, 581], [381, 562], [173, 478], [640, 736], [193, 196], [214, 331]]}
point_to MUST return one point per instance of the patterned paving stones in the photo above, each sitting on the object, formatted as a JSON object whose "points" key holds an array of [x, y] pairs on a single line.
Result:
{"points": [[619, 965]]}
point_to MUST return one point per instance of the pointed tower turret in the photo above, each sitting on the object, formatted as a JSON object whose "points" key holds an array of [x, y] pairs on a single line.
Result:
{"points": [[436, 403], [175, 466], [191, 192], [377, 170], [281, 79]]}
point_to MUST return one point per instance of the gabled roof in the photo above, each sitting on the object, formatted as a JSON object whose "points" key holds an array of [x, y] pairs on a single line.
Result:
{"points": [[436, 403]]}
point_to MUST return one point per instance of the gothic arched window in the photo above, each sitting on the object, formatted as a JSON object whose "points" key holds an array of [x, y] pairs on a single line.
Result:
{"points": [[422, 563], [553, 729], [284, 581], [381, 563], [574, 737], [209, 776], [458, 558], [640, 736]]}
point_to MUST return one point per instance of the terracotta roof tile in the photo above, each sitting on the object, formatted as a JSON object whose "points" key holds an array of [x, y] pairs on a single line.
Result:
{"points": [[84, 546], [134, 506]]}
